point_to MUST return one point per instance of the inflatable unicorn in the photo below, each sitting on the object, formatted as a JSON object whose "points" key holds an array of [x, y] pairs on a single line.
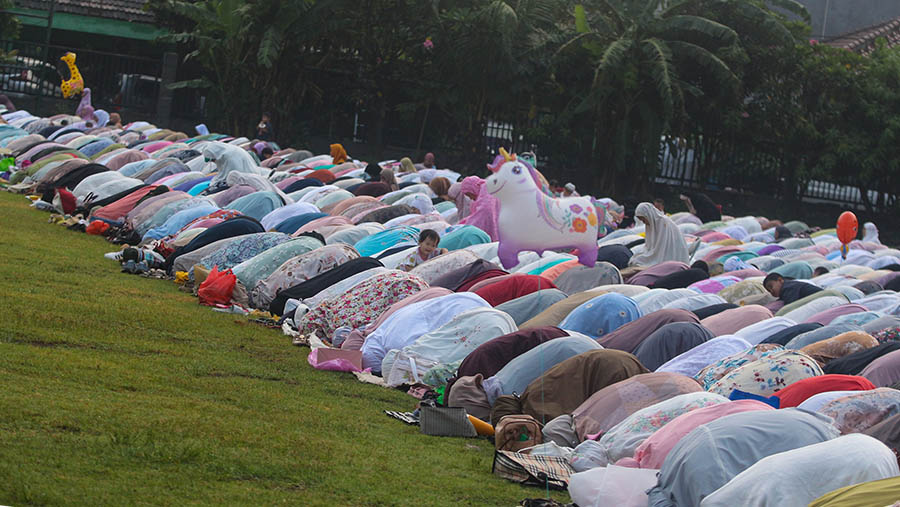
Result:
{"points": [[532, 220]]}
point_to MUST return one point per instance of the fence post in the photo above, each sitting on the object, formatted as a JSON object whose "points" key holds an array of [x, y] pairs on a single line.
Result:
{"points": [[164, 100]]}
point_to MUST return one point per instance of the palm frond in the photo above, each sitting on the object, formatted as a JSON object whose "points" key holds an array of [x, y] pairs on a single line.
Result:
{"points": [[662, 72], [270, 47], [698, 25], [793, 7], [765, 22], [725, 77], [615, 54]]}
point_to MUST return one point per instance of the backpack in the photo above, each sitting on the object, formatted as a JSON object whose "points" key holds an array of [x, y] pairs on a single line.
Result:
{"points": [[515, 432]]}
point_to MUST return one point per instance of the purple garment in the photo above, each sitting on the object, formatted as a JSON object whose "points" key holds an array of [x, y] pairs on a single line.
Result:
{"points": [[485, 211], [283, 184], [743, 274], [225, 197], [184, 187], [648, 276], [768, 249], [887, 278], [825, 317], [84, 109]]}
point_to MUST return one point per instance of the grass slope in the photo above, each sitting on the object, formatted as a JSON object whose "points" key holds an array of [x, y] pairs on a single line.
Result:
{"points": [[117, 389]]}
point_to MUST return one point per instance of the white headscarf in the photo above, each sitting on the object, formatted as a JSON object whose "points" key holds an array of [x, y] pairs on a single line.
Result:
{"points": [[870, 233], [664, 241], [228, 159]]}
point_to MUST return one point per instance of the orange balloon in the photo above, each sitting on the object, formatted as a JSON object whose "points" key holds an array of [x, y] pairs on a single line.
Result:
{"points": [[847, 227]]}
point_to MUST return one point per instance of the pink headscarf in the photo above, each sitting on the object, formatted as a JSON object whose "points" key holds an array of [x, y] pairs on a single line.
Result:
{"points": [[485, 211], [463, 203]]}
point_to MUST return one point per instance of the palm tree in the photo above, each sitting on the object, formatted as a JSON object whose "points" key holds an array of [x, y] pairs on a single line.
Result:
{"points": [[490, 58], [647, 57], [251, 56]]}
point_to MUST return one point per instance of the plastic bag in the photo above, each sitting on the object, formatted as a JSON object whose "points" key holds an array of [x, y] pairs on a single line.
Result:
{"points": [[612, 485], [217, 287], [97, 227], [334, 361]]}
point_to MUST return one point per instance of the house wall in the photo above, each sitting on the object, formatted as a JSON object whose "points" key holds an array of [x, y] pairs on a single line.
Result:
{"points": [[843, 16]]}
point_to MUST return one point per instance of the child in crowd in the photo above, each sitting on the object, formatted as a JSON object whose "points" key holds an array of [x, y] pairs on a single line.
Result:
{"points": [[137, 260], [428, 249], [788, 290]]}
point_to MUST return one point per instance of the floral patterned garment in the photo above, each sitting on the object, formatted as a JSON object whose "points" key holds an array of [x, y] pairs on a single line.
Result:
{"points": [[449, 343], [435, 267], [299, 269], [362, 304], [768, 375], [261, 265], [841, 345], [712, 373], [890, 334], [238, 251], [622, 439], [860, 411], [744, 289]]}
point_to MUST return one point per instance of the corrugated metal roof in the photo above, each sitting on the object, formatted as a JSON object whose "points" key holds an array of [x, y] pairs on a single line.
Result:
{"points": [[125, 10], [863, 41]]}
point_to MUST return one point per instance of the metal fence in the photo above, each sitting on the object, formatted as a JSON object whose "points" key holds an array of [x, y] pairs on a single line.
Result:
{"points": [[717, 165], [117, 82]]}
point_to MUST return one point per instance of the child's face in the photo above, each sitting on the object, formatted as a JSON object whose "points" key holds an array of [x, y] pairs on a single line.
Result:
{"points": [[428, 246], [774, 287]]}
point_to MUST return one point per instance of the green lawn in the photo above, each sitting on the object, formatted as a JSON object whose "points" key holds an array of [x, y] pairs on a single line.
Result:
{"points": [[117, 389]]}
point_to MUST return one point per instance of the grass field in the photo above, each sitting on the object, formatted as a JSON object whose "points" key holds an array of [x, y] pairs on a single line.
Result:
{"points": [[117, 389]]}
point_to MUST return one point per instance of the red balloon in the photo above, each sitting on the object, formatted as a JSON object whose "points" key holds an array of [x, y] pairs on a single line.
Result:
{"points": [[847, 226]]}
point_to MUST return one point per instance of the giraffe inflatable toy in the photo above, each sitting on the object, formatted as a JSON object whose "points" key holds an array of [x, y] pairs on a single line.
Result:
{"points": [[75, 84]]}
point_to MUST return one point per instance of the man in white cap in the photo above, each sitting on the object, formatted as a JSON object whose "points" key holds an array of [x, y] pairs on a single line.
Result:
{"points": [[569, 190]]}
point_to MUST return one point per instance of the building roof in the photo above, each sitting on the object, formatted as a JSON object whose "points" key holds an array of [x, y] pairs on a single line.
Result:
{"points": [[124, 10], [863, 41]]}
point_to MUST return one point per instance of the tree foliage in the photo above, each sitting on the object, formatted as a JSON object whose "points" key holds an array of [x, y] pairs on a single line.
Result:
{"points": [[595, 84], [9, 24]]}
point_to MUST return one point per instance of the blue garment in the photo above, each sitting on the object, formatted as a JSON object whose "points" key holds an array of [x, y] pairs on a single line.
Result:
{"points": [[545, 266], [173, 167], [601, 315], [301, 184], [95, 147], [132, 168], [737, 394], [521, 371], [257, 204], [466, 235], [199, 187], [175, 222], [798, 270], [371, 245], [291, 224]]}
